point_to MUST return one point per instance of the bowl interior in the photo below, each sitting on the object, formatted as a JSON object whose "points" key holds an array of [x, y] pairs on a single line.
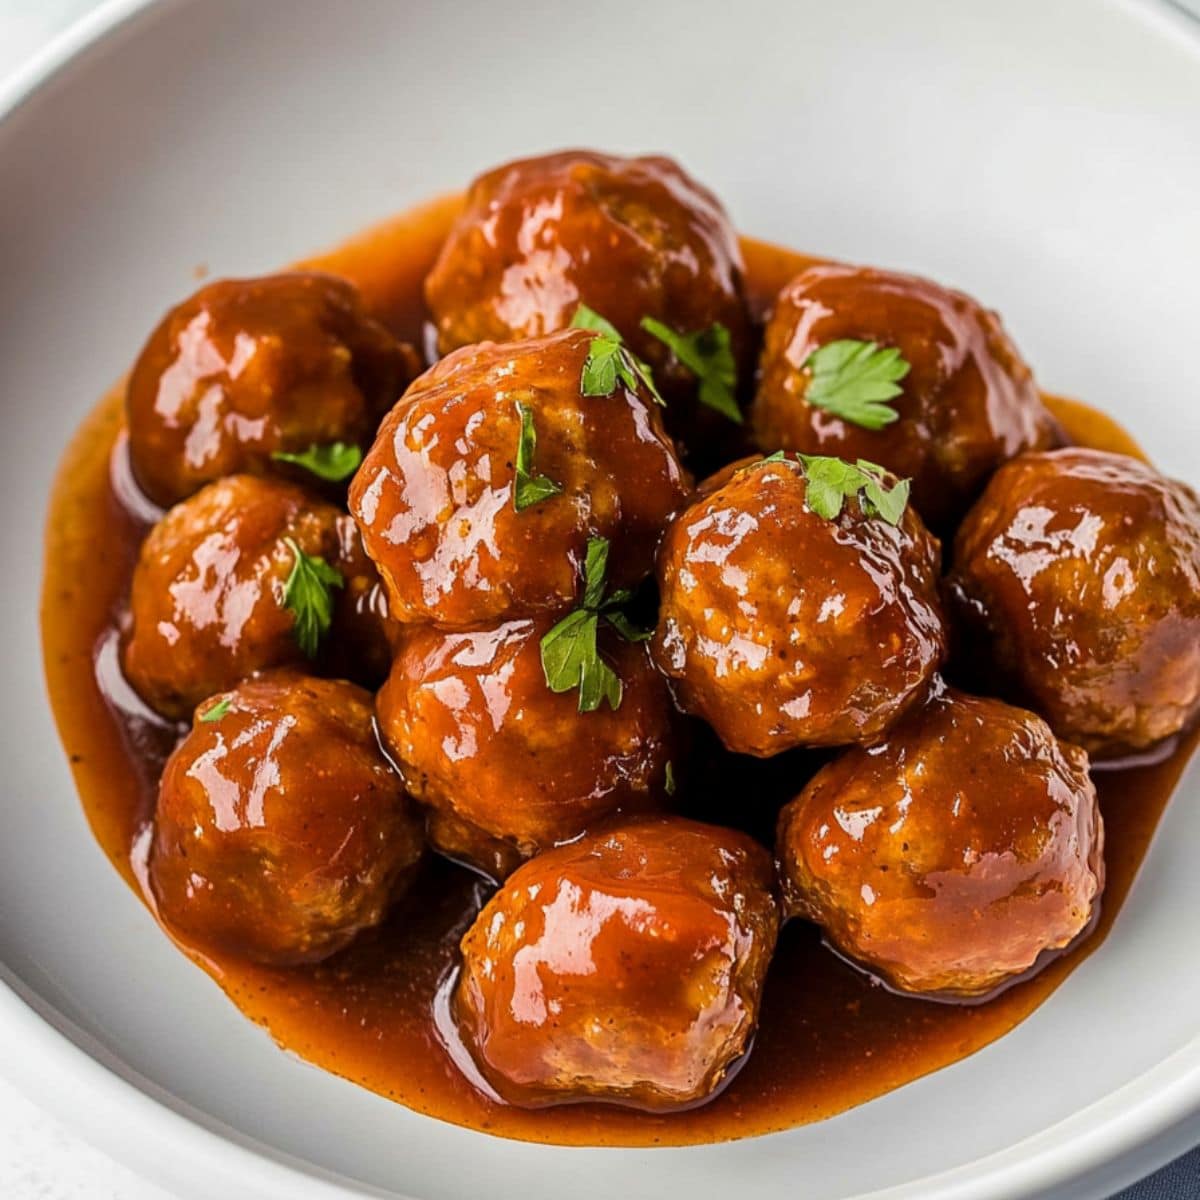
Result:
{"points": [[1040, 156]]}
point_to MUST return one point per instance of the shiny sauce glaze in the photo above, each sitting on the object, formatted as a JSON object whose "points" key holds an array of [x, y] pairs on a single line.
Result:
{"points": [[376, 1013]]}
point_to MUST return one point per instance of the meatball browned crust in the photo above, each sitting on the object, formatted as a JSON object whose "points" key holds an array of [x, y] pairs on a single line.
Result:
{"points": [[783, 628], [207, 601], [507, 767], [949, 858], [967, 403], [627, 967], [246, 368], [628, 237], [281, 830], [1081, 569], [435, 497]]}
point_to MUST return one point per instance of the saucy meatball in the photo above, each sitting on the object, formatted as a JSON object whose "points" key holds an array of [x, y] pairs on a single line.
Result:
{"points": [[949, 858], [782, 627], [281, 831], [626, 967], [246, 368], [506, 766], [208, 603], [629, 237], [1081, 570], [436, 497], [966, 404]]}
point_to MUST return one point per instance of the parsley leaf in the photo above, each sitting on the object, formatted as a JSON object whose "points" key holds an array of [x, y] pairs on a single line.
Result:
{"points": [[625, 627], [595, 567], [570, 659], [831, 481], [589, 318], [333, 462], [217, 711], [853, 380], [570, 656], [708, 354], [888, 503], [307, 594], [529, 489], [609, 359]]}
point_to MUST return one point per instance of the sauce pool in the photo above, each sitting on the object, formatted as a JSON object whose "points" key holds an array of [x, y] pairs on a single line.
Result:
{"points": [[829, 1038]]}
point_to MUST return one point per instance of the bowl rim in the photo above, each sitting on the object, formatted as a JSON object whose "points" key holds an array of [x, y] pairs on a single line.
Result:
{"points": [[75, 1078]]}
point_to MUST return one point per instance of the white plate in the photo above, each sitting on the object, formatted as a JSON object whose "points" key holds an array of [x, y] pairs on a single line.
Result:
{"points": [[1043, 156]]}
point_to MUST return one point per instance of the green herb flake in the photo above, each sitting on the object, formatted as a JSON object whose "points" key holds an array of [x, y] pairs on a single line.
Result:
{"points": [[708, 355], [854, 380], [669, 781], [832, 481], [589, 318], [529, 488], [609, 359], [571, 659], [217, 711], [307, 594], [570, 654], [333, 462], [625, 627], [888, 503]]}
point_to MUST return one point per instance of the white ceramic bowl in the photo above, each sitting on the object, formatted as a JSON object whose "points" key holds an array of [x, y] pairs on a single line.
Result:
{"points": [[1043, 156]]}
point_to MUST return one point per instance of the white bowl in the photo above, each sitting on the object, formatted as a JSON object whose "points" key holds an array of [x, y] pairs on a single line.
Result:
{"points": [[1043, 156]]}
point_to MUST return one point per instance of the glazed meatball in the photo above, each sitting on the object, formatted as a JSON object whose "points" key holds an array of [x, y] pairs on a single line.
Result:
{"points": [[506, 766], [1079, 572], [249, 367], [954, 857], [782, 627], [281, 831], [207, 603], [436, 497], [966, 404], [629, 237], [625, 967]]}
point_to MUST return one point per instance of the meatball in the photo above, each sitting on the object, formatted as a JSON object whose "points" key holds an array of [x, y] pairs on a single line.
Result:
{"points": [[629, 237], [436, 498], [967, 403], [281, 831], [1079, 572], [507, 767], [782, 627], [626, 967], [955, 856], [246, 368], [207, 603]]}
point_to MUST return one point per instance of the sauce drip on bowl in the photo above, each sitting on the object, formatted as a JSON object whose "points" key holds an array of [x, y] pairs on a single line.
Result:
{"points": [[829, 1038]]}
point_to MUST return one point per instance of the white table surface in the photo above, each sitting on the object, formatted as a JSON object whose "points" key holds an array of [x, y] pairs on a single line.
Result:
{"points": [[39, 1158]]}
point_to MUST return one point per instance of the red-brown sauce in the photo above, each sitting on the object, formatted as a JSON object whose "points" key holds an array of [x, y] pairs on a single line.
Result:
{"points": [[829, 1038]]}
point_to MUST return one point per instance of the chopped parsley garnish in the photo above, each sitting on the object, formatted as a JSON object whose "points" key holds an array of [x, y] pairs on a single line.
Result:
{"points": [[669, 781], [333, 462], [708, 354], [854, 380], [307, 594], [832, 481], [217, 711], [570, 656], [888, 502], [529, 488], [609, 359]]}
